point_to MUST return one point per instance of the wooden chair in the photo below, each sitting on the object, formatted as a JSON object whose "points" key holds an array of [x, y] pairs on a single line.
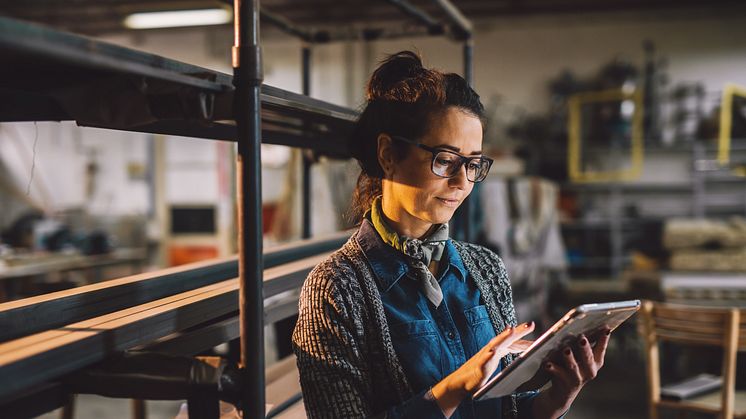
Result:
{"points": [[689, 325]]}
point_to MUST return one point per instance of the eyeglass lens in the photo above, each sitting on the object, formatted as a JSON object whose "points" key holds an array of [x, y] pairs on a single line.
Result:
{"points": [[448, 164]]}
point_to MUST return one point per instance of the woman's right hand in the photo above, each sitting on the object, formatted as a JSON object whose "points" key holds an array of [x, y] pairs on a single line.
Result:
{"points": [[475, 372]]}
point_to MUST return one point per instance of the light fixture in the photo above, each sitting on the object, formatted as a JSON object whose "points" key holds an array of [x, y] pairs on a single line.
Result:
{"points": [[178, 18]]}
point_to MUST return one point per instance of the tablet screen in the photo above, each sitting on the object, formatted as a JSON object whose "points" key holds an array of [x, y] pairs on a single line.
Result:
{"points": [[587, 319]]}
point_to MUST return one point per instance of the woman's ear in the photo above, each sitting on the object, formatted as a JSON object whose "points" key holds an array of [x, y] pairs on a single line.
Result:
{"points": [[385, 154]]}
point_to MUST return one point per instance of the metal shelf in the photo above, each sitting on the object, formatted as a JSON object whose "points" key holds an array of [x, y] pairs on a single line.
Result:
{"points": [[605, 224], [57, 76], [630, 187]]}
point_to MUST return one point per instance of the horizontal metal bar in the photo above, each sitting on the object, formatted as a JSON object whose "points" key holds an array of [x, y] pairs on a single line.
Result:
{"points": [[373, 34], [31, 315], [45, 356], [198, 339], [283, 99], [52, 75], [289, 252], [432, 25], [285, 25], [206, 336], [51, 396], [332, 144], [34, 314], [461, 22], [23, 39]]}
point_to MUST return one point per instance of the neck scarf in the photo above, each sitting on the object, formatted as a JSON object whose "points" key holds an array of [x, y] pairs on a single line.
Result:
{"points": [[419, 253]]}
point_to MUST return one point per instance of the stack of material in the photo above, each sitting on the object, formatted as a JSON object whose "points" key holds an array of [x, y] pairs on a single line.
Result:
{"points": [[706, 245]]}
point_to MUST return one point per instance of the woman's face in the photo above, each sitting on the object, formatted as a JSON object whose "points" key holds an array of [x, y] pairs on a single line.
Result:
{"points": [[414, 198]]}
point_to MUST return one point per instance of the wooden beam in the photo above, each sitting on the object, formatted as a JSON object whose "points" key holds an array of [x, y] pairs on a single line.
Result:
{"points": [[38, 358], [35, 314]]}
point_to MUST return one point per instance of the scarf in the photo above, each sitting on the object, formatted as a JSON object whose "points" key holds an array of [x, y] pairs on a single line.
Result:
{"points": [[419, 253]]}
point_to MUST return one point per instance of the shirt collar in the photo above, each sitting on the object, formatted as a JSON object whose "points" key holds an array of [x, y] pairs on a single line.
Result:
{"points": [[454, 260], [388, 263]]}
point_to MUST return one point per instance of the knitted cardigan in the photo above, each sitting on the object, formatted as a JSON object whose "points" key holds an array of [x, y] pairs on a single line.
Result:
{"points": [[347, 363]]}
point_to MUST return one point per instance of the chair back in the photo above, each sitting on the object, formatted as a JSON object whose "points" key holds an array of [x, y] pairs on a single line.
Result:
{"points": [[692, 325], [695, 325]]}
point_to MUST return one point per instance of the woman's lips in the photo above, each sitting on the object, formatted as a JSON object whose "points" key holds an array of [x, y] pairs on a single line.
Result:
{"points": [[449, 202]]}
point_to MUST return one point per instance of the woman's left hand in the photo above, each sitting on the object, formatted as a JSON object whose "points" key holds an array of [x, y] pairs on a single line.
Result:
{"points": [[575, 367]]}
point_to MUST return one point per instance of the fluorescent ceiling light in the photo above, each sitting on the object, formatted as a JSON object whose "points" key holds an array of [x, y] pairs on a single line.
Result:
{"points": [[173, 19]]}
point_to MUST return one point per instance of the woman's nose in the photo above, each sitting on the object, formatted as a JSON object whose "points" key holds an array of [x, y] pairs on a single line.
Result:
{"points": [[459, 180]]}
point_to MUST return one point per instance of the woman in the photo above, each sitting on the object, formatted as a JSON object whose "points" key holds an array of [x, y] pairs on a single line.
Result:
{"points": [[402, 321]]}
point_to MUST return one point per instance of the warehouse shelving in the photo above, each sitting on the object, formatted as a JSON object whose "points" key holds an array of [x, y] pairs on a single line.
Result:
{"points": [[49, 75], [56, 76], [697, 192]]}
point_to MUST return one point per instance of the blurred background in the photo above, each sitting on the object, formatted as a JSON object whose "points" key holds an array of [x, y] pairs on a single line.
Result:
{"points": [[618, 130]]}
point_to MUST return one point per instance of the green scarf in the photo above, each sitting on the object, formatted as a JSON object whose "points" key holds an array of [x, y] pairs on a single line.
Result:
{"points": [[419, 252]]}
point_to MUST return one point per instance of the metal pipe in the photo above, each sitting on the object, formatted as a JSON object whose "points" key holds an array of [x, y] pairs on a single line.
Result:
{"points": [[462, 25], [306, 161], [433, 26], [467, 213], [469, 61], [286, 26], [247, 72], [370, 34]]}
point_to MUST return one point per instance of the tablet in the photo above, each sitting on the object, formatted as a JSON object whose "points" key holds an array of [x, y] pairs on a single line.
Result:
{"points": [[525, 372]]}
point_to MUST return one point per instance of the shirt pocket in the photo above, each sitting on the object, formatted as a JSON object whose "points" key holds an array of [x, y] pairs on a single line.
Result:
{"points": [[418, 346], [480, 325]]}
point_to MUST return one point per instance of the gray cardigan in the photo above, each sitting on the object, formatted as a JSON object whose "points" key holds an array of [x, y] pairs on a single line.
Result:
{"points": [[347, 363]]}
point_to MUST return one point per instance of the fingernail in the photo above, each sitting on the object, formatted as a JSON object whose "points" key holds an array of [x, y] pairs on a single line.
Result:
{"points": [[528, 325], [608, 332], [548, 366], [583, 341], [567, 352]]}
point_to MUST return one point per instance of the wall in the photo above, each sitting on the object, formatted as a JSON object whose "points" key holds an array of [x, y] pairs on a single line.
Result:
{"points": [[60, 154]]}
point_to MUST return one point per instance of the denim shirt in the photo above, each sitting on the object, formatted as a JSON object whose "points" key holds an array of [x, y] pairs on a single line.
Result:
{"points": [[432, 342]]}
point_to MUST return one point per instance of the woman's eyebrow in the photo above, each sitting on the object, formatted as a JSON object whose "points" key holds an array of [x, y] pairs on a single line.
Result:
{"points": [[456, 149]]}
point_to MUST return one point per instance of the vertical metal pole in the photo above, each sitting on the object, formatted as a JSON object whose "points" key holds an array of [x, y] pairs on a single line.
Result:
{"points": [[306, 187], [467, 207], [698, 181], [469, 61], [247, 72], [616, 230]]}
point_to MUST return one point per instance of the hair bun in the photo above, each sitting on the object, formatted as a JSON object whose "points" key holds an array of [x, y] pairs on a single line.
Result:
{"points": [[395, 69]]}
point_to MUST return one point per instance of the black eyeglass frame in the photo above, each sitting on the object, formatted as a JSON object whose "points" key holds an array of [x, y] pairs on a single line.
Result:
{"points": [[462, 159]]}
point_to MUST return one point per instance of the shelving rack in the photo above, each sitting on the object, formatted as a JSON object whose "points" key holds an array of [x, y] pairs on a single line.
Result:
{"points": [[55, 76], [460, 29], [706, 176]]}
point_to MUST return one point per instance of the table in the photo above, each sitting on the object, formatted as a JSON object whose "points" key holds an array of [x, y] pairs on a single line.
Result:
{"points": [[38, 265]]}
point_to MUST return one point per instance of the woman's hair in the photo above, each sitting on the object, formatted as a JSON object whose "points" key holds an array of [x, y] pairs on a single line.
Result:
{"points": [[402, 99]]}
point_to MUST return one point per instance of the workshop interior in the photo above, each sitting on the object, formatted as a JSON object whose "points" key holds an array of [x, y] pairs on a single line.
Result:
{"points": [[172, 170]]}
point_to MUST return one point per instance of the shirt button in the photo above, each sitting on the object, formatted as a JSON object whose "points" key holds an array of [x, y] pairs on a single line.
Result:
{"points": [[451, 335]]}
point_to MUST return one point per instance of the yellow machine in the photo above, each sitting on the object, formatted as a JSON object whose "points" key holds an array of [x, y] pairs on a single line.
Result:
{"points": [[574, 147], [726, 120]]}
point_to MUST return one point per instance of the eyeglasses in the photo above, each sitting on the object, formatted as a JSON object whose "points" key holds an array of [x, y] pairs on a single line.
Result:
{"points": [[448, 163]]}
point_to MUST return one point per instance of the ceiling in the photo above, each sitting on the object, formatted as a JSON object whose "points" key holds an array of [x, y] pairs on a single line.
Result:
{"points": [[96, 17]]}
